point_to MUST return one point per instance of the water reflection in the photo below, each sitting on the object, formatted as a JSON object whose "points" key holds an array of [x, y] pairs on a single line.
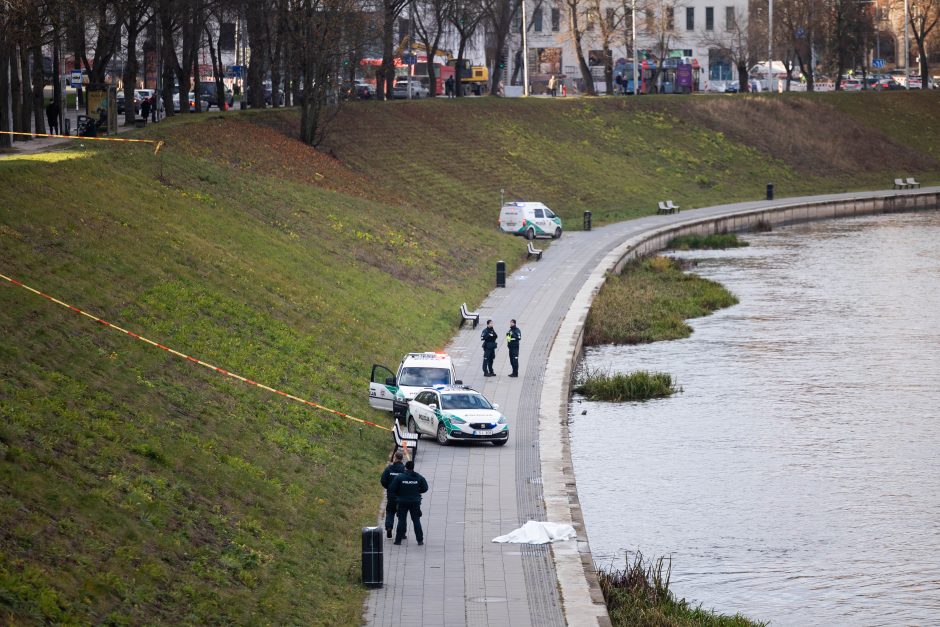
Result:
{"points": [[796, 478]]}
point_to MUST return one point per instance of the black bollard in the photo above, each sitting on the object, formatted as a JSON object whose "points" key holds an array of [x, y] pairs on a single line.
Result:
{"points": [[587, 220], [372, 552], [500, 274], [770, 191]]}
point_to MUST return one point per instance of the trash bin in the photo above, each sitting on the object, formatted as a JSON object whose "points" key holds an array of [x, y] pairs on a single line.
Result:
{"points": [[373, 547], [500, 274], [770, 191], [587, 220]]}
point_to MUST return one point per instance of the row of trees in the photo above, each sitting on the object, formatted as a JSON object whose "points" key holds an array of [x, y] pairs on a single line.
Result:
{"points": [[310, 46], [808, 35]]}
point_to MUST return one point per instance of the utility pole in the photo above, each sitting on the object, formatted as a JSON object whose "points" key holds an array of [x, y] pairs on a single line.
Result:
{"points": [[770, 45], [907, 11], [633, 26], [525, 54]]}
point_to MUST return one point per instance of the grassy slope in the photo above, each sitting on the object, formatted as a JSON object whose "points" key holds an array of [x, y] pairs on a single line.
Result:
{"points": [[137, 487]]}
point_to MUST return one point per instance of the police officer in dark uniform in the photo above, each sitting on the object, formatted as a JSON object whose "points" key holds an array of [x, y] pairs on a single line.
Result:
{"points": [[489, 338], [513, 337], [408, 488], [393, 470]]}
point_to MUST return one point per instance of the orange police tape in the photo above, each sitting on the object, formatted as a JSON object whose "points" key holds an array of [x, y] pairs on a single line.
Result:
{"points": [[193, 359], [158, 142]]}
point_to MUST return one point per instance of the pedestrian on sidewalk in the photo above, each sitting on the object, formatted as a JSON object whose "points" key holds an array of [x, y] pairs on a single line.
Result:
{"points": [[551, 85], [513, 337], [449, 87], [391, 471], [489, 338], [52, 116], [145, 108], [408, 488]]}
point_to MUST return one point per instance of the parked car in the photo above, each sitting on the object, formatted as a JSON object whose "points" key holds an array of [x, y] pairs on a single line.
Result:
{"points": [[207, 92], [456, 413], [405, 85], [887, 84], [121, 103], [851, 84], [203, 105], [268, 95], [362, 89]]}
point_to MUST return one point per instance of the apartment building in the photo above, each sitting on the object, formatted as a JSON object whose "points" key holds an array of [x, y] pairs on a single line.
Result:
{"points": [[693, 29]]}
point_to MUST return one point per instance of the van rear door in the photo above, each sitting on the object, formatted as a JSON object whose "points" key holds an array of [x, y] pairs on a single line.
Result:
{"points": [[382, 388]]}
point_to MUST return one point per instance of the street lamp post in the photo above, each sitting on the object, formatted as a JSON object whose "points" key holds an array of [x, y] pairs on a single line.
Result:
{"points": [[907, 11], [525, 55], [770, 45], [633, 25]]}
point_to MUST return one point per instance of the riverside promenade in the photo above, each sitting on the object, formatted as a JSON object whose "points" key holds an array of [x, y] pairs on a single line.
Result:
{"points": [[459, 576]]}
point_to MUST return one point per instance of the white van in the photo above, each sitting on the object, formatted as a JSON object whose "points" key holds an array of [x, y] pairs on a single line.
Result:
{"points": [[416, 372], [532, 219]]}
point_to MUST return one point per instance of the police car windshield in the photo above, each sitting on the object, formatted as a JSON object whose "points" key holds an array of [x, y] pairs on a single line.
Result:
{"points": [[424, 377], [464, 401]]}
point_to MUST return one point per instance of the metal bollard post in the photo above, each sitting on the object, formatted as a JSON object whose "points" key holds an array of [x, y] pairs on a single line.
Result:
{"points": [[587, 220], [373, 548], [770, 191], [500, 274]]}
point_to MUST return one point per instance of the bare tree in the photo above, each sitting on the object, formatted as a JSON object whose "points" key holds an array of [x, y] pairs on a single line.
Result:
{"points": [[466, 17], [800, 26], [391, 9], [499, 16], [578, 16], [430, 20], [735, 42], [136, 15], [849, 25], [922, 18]]}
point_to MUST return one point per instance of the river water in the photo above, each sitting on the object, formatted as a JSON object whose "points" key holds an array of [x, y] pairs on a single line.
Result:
{"points": [[796, 479]]}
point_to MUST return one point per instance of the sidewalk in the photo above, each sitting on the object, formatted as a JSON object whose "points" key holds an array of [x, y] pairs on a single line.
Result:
{"points": [[479, 492], [41, 144]]}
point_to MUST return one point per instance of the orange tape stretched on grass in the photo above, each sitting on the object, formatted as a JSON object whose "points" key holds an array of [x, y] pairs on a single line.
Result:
{"points": [[158, 142], [193, 359]]}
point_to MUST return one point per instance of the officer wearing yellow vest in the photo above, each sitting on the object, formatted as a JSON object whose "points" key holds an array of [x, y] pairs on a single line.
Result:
{"points": [[513, 337]]}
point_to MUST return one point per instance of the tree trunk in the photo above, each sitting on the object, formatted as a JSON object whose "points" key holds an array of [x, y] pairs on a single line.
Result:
{"points": [[608, 67], [131, 68], [384, 87], [582, 62], [254, 17], [39, 83], [26, 93], [16, 91], [744, 84], [57, 94], [6, 96]]}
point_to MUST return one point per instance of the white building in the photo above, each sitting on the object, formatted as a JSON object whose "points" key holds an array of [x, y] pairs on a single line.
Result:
{"points": [[678, 28]]}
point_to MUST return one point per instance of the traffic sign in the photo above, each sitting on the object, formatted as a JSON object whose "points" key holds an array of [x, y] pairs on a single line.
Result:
{"points": [[878, 63], [76, 78], [409, 59], [233, 71]]}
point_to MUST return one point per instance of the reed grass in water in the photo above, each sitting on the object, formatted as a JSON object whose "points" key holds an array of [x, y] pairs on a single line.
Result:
{"points": [[639, 596], [635, 386], [714, 241]]}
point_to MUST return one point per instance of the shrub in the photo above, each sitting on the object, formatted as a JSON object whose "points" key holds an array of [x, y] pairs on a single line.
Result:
{"points": [[635, 386]]}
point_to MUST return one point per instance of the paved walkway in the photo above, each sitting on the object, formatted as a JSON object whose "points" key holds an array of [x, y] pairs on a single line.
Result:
{"points": [[479, 492]]}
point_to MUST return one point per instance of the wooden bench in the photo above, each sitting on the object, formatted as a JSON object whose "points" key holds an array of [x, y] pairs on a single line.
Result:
{"points": [[672, 206], [405, 440], [912, 183], [900, 184], [533, 251], [472, 316]]}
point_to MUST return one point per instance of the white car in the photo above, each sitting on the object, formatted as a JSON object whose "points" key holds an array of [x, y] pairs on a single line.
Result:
{"points": [[456, 413], [403, 85], [417, 371], [529, 219]]}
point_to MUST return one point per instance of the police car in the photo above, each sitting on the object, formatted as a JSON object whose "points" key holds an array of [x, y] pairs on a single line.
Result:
{"points": [[416, 372], [456, 412]]}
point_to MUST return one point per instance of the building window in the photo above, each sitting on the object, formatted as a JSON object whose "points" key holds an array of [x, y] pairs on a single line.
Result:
{"points": [[556, 20], [537, 19], [709, 18], [670, 19], [729, 18], [690, 18]]}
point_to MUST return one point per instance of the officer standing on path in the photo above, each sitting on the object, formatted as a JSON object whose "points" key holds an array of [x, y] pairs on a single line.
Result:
{"points": [[513, 337], [489, 338], [393, 470], [408, 488]]}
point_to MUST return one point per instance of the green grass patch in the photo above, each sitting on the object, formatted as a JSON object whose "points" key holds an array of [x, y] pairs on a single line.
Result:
{"points": [[640, 385], [649, 302], [712, 241], [140, 488], [638, 595]]}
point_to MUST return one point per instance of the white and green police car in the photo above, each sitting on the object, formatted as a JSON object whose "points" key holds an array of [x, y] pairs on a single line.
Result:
{"points": [[416, 372], [455, 412], [530, 219]]}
